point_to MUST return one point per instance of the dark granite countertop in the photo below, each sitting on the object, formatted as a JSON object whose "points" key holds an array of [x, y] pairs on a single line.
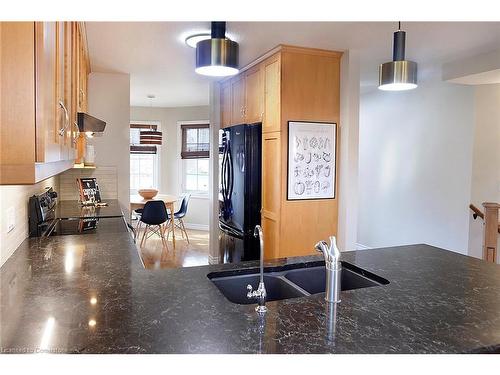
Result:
{"points": [[91, 294], [72, 209]]}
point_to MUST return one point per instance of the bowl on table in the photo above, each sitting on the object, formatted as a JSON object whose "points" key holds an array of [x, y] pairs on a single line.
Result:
{"points": [[148, 193]]}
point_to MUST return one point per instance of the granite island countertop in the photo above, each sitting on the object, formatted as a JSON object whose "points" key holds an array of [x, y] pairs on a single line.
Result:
{"points": [[91, 294]]}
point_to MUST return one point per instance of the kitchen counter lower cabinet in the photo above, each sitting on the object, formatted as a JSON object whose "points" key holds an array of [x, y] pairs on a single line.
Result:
{"points": [[91, 294]]}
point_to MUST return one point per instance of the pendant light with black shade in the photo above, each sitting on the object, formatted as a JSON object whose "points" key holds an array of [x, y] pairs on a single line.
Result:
{"points": [[217, 56], [150, 136], [398, 74]]}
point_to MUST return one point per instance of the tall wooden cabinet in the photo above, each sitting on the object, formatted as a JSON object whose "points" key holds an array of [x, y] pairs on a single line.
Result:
{"points": [[38, 100], [288, 84]]}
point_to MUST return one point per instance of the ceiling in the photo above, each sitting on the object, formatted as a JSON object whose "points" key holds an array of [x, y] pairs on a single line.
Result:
{"points": [[160, 64]]}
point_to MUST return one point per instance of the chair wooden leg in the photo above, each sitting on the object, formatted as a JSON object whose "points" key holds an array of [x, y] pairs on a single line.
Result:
{"points": [[184, 229], [162, 235], [144, 235]]}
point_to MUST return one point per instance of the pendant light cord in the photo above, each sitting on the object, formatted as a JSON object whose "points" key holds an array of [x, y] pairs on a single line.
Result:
{"points": [[399, 26]]}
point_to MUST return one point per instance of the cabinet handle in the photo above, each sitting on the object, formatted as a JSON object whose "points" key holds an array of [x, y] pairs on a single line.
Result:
{"points": [[66, 119]]}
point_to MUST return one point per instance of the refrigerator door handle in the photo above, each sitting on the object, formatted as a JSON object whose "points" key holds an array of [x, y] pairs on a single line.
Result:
{"points": [[230, 173], [222, 175]]}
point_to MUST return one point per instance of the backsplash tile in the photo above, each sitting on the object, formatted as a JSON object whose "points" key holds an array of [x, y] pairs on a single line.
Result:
{"points": [[17, 196], [106, 179]]}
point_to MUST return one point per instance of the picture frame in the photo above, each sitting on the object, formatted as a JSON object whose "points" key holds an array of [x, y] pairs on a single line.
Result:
{"points": [[312, 160]]}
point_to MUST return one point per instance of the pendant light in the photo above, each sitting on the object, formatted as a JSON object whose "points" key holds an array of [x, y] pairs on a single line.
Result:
{"points": [[217, 56], [398, 74], [150, 136]]}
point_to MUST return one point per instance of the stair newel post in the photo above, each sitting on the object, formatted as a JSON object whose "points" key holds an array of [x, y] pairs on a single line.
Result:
{"points": [[490, 234]]}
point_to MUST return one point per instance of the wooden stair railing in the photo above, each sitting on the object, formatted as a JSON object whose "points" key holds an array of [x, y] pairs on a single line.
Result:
{"points": [[491, 229]]}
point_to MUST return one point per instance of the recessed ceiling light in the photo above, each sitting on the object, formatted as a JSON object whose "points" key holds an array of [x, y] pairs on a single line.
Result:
{"points": [[193, 40]]}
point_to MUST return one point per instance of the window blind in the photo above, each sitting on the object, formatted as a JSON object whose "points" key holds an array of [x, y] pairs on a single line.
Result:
{"points": [[195, 141]]}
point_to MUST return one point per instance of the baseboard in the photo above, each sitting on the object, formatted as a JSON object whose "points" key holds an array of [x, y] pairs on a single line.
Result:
{"points": [[362, 247], [196, 226]]}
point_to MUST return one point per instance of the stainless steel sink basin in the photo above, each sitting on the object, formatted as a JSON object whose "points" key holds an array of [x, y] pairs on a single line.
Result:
{"points": [[290, 281], [235, 288]]}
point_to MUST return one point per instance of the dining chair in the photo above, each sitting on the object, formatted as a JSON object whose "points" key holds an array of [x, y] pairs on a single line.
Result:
{"points": [[179, 215], [154, 215]]}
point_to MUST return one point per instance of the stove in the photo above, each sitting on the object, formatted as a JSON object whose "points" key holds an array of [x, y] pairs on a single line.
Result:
{"points": [[48, 217]]}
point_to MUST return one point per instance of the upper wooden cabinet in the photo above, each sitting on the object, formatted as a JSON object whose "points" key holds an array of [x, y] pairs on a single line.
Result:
{"points": [[238, 100], [254, 95], [242, 98], [272, 90], [38, 124], [48, 147]]}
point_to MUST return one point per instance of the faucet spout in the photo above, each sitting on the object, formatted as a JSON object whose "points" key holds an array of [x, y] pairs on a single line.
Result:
{"points": [[260, 294], [333, 269]]}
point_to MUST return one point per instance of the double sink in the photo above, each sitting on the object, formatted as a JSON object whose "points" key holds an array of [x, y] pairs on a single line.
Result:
{"points": [[291, 281]]}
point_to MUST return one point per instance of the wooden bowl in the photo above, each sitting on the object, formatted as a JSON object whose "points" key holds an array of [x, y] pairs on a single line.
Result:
{"points": [[148, 193]]}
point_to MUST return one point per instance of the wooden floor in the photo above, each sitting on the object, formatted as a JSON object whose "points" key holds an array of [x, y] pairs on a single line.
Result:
{"points": [[155, 256]]}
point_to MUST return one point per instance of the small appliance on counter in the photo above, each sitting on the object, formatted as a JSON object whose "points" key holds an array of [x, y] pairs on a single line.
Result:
{"points": [[240, 192]]}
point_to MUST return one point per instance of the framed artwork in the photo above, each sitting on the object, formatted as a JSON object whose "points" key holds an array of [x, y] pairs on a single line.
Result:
{"points": [[311, 160]]}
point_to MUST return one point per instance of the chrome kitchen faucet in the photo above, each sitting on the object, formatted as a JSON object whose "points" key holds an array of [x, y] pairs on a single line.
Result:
{"points": [[333, 269], [260, 294]]}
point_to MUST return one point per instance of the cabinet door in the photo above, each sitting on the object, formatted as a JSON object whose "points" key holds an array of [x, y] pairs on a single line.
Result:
{"points": [[47, 140], [225, 104], [272, 95], [63, 83], [254, 86], [238, 100], [17, 98], [75, 97], [271, 192]]}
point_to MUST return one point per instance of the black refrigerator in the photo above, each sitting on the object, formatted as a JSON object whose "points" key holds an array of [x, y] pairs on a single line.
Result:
{"points": [[240, 192]]}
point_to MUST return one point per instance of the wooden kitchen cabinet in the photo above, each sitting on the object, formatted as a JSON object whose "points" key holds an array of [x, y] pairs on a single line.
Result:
{"points": [[64, 90], [287, 84], [271, 192], [38, 129], [254, 95], [238, 100], [272, 89], [48, 145]]}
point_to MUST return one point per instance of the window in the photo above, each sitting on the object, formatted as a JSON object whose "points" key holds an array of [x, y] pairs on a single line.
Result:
{"points": [[195, 154], [196, 175], [143, 160], [195, 141]]}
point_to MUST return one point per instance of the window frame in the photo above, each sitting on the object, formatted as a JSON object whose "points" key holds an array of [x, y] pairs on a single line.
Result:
{"points": [[193, 154], [183, 161]]}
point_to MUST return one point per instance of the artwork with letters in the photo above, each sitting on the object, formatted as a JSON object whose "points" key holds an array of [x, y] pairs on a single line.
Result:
{"points": [[311, 160]]}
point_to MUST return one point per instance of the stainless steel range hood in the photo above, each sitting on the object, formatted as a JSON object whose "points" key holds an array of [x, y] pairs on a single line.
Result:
{"points": [[88, 123]]}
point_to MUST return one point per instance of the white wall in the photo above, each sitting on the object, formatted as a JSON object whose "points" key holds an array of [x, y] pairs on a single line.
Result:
{"points": [[349, 154], [16, 197], [109, 100], [486, 159], [170, 164], [415, 166]]}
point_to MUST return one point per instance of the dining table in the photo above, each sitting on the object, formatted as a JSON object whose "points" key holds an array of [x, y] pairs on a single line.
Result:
{"points": [[136, 201]]}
